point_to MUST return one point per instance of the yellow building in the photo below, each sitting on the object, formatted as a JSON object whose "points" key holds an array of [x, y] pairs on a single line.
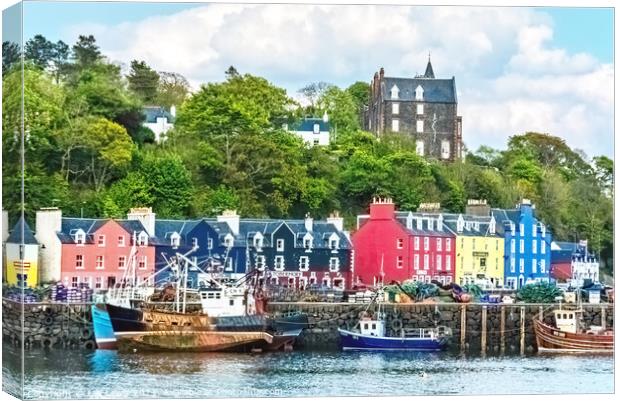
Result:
{"points": [[22, 256], [479, 257]]}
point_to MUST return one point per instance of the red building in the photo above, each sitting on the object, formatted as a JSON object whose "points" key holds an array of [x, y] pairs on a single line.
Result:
{"points": [[98, 252], [391, 245]]}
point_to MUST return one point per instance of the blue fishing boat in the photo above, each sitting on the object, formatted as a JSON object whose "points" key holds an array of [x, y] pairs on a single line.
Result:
{"points": [[370, 334], [102, 327]]}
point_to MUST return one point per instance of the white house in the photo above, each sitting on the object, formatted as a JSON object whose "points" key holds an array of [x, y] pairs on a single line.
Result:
{"points": [[159, 121], [314, 131]]}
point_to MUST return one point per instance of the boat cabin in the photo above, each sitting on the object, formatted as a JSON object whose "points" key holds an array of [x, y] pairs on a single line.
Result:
{"points": [[567, 320], [226, 301], [371, 327]]}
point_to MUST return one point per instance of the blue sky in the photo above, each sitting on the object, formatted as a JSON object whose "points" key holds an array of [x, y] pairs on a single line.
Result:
{"points": [[517, 68]]}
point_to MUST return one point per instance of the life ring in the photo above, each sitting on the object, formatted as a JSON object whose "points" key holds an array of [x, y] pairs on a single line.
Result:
{"points": [[90, 344], [48, 341], [397, 324], [87, 334], [48, 330], [48, 321]]}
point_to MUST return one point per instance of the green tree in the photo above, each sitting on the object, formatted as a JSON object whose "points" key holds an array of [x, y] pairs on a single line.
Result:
{"points": [[143, 81], [86, 51], [10, 56], [341, 108], [40, 51], [360, 91], [173, 89]]}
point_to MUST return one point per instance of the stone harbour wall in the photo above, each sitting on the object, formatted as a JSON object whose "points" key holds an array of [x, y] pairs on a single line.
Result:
{"points": [[482, 328], [477, 328], [47, 325]]}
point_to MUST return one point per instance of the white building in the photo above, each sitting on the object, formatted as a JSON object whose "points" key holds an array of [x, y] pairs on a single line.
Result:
{"points": [[314, 131], [159, 121]]}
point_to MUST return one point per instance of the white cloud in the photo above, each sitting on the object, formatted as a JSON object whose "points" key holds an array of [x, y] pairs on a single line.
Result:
{"points": [[509, 77]]}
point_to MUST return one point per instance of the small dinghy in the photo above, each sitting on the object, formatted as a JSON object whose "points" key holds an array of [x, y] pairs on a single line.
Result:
{"points": [[370, 334]]}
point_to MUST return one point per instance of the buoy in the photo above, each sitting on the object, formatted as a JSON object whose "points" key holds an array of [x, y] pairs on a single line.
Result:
{"points": [[397, 324]]}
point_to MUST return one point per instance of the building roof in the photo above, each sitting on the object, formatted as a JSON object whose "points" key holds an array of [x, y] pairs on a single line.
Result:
{"points": [[153, 112], [70, 225], [435, 90], [307, 125], [15, 237], [429, 70]]}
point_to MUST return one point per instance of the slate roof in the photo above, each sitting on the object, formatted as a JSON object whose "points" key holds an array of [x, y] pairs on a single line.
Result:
{"points": [[70, 225], [153, 112], [15, 237], [165, 228], [435, 90], [429, 70], [307, 125]]}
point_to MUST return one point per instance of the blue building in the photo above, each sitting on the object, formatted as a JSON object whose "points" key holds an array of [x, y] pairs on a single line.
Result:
{"points": [[527, 243], [294, 253]]}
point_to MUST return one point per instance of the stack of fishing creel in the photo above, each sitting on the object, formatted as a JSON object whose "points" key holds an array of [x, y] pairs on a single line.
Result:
{"points": [[59, 292], [25, 295]]}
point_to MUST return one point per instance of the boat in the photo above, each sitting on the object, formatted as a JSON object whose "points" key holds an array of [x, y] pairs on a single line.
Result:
{"points": [[568, 335], [370, 334], [171, 327]]}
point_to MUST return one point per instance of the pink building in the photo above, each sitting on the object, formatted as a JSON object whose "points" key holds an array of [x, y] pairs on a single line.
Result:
{"points": [[98, 251]]}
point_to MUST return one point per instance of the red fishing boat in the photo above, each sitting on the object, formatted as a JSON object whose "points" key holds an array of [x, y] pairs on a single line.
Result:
{"points": [[568, 335]]}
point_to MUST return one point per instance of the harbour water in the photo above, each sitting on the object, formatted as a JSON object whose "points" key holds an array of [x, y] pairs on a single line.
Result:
{"points": [[107, 374]]}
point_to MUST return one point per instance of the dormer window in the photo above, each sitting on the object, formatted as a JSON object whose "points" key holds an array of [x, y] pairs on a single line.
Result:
{"points": [[459, 224], [143, 239], [316, 128], [258, 241], [419, 93], [280, 245], [175, 240], [307, 242], [334, 242], [228, 241], [394, 92], [194, 242], [80, 237]]}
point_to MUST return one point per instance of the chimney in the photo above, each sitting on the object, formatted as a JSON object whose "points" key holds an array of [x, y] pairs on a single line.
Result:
{"points": [[440, 222], [308, 223], [477, 207], [173, 111], [325, 117], [382, 209], [231, 218], [145, 216], [336, 220], [525, 207], [381, 73], [48, 222], [429, 208], [5, 225]]}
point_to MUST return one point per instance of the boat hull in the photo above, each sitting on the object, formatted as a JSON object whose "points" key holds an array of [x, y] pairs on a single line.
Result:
{"points": [[550, 339], [102, 327], [192, 341], [355, 341]]}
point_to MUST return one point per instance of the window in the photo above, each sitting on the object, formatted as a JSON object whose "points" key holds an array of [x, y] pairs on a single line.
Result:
{"points": [[98, 282], [438, 262], [399, 262], [101, 240], [419, 93], [473, 243], [420, 109], [175, 240], [75, 281], [416, 262], [80, 237], [534, 230], [399, 243], [542, 266], [258, 242], [448, 263], [521, 246], [425, 262], [483, 262], [521, 230], [279, 263], [419, 147], [280, 245], [122, 262], [395, 125], [419, 126], [228, 241], [521, 265], [308, 243], [334, 264], [394, 92], [439, 244], [448, 244], [142, 263], [534, 246], [229, 264], [121, 240], [316, 128], [79, 261], [395, 108], [416, 243], [99, 262], [143, 239], [445, 149], [512, 245], [542, 246], [497, 245], [260, 262], [333, 244], [426, 240], [534, 266], [512, 265], [315, 141], [194, 242], [304, 263], [210, 243]]}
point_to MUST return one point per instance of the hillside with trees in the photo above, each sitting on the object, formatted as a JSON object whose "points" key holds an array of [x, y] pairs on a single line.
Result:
{"points": [[87, 152]]}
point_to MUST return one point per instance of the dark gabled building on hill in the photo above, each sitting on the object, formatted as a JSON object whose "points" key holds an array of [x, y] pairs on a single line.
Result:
{"points": [[423, 107]]}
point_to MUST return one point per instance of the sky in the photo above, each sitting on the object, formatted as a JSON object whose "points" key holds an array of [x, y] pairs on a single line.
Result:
{"points": [[517, 69]]}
